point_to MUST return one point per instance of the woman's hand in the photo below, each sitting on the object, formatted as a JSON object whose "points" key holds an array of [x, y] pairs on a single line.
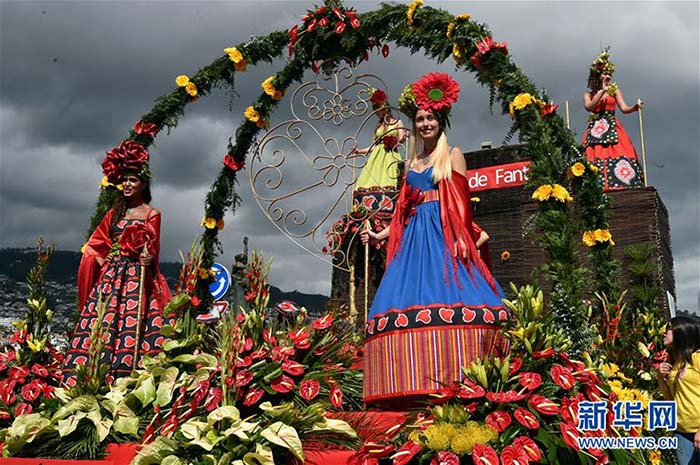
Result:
{"points": [[369, 236], [638, 106], [145, 260], [696, 439], [664, 369], [461, 248]]}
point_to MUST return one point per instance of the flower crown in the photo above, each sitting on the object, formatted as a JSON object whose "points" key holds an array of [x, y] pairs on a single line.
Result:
{"points": [[129, 156], [602, 63], [434, 92]]}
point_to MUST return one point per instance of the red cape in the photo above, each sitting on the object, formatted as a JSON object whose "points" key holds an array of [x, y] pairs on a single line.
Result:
{"points": [[100, 244], [456, 220]]}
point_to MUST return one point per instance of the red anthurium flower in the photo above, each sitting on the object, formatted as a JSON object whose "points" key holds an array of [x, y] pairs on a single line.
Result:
{"points": [[248, 344], [514, 455], [233, 163], [40, 370], [574, 365], [546, 353], [293, 368], [484, 455], [314, 66], [259, 354], [141, 127], [312, 25], [526, 418], [214, 399], [47, 391], [200, 391], [445, 458], [31, 391], [534, 454], [593, 392], [244, 362], [385, 50], [445, 394], [499, 420], [563, 377], [7, 391], [282, 384], [323, 22], [476, 59], [339, 27], [243, 378], [4, 415], [324, 322], [23, 408], [543, 405], [280, 354], [252, 397], [338, 13], [19, 337], [503, 397], [336, 396], [602, 460], [530, 380], [569, 434], [407, 452], [376, 450], [587, 377], [301, 339], [308, 389], [19, 373], [569, 409], [470, 390], [515, 364], [195, 301]]}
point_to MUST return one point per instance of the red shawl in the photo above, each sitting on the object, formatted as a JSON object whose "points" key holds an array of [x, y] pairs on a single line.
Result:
{"points": [[100, 244], [456, 219]]}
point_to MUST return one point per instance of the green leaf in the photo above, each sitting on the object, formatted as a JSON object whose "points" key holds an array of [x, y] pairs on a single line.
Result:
{"points": [[166, 386], [84, 403], [173, 460], [125, 421], [146, 392], [103, 425], [285, 436], [193, 429], [340, 427]]}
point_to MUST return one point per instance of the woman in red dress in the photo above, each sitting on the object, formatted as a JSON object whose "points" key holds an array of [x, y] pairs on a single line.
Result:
{"points": [[127, 238], [605, 141]]}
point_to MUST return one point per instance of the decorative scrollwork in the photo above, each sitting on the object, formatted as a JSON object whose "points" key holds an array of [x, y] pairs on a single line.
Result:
{"points": [[304, 170]]}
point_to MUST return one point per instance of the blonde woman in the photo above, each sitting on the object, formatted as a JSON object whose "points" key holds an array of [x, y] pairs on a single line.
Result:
{"points": [[437, 307]]}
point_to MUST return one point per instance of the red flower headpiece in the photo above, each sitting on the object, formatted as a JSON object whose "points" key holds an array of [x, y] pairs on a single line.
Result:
{"points": [[129, 156], [378, 98], [436, 92]]}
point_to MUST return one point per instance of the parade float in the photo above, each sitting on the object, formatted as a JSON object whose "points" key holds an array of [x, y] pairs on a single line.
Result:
{"points": [[254, 389]]}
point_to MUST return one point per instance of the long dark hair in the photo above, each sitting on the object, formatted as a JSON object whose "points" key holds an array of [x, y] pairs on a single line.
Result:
{"points": [[120, 204], [686, 340], [594, 81]]}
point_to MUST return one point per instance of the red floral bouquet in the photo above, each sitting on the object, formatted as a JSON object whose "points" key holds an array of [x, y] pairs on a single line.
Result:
{"points": [[378, 98], [390, 142], [136, 237], [484, 49]]}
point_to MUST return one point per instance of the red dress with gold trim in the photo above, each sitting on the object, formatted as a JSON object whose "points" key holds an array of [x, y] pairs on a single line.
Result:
{"points": [[118, 284], [610, 149]]}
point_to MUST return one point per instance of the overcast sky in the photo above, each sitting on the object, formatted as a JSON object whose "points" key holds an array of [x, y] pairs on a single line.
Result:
{"points": [[75, 76]]}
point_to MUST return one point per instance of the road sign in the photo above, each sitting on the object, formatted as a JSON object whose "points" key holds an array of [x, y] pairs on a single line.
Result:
{"points": [[222, 281]]}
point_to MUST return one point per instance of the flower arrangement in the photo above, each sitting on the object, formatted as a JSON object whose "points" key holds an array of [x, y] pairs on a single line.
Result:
{"points": [[552, 192], [598, 236], [236, 56]]}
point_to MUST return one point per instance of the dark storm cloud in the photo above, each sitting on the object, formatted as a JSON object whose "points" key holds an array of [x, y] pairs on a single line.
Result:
{"points": [[76, 75]]}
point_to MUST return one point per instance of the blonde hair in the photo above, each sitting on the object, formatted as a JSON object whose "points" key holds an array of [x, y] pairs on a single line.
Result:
{"points": [[442, 165]]}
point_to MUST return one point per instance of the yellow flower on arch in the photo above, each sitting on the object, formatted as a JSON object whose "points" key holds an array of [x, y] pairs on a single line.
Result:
{"points": [[208, 222], [522, 100], [463, 17], [270, 89], [251, 114], [593, 168], [542, 193], [456, 51], [589, 238], [191, 89], [182, 80], [450, 30], [578, 169], [412, 10], [603, 235], [235, 55], [560, 193]]}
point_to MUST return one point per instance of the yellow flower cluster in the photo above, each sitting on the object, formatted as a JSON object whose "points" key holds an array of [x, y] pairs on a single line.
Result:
{"points": [[456, 51], [412, 10], [552, 191], [460, 439], [205, 273], [211, 223], [270, 89], [451, 26], [184, 81], [251, 114], [105, 182], [235, 55], [590, 238], [519, 102], [612, 370], [655, 457]]}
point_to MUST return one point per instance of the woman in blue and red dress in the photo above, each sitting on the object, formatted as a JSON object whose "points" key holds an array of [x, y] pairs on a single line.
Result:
{"points": [[437, 308], [109, 270], [605, 141]]}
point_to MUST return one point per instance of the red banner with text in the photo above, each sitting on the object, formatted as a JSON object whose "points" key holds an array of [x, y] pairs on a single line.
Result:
{"points": [[498, 176]]}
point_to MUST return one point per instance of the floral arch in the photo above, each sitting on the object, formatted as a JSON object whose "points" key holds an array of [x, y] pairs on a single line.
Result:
{"points": [[564, 185]]}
